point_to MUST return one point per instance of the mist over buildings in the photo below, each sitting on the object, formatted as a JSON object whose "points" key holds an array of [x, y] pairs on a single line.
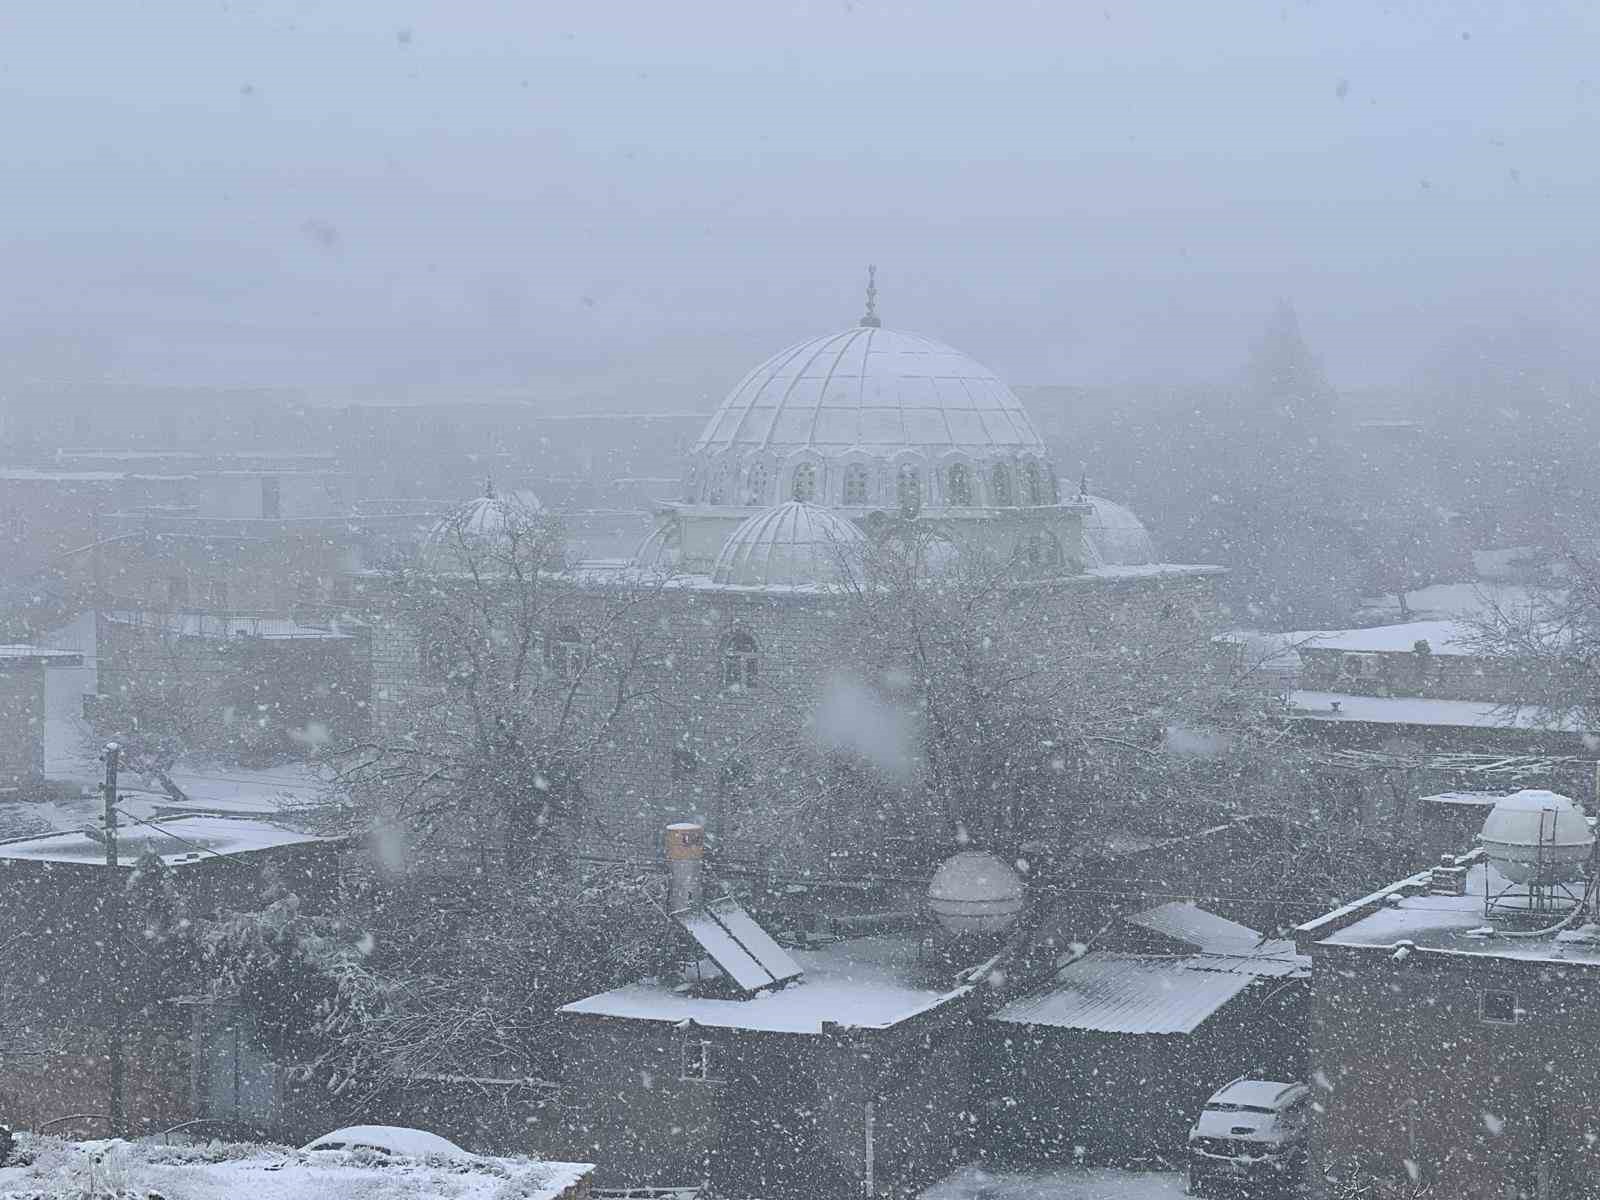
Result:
{"points": [[606, 206]]}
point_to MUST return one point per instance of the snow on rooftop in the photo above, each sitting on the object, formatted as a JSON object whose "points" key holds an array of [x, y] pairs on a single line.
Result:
{"points": [[866, 982], [1464, 799], [178, 841], [1058, 1183], [215, 625], [1185, 921], [1413, 710], [227, 1172], [1128, 993], [21, 652], [1443, 637], [1407, 912]]}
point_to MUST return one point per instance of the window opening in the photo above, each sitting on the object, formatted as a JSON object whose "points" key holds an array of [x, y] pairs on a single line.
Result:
{"points": [[804, 487], [908, 487], [1499, 1007], [960, 484], [1000, 484], [740, 660], [564, 653], [701, 1062], [855, 483], [758, 484], [1030, 474]]}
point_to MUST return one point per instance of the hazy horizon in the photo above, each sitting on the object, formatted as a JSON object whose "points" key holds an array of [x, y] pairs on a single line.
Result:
{"points": [[356, 200]]}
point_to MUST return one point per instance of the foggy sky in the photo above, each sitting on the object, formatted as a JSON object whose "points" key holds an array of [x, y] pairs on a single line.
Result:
{"points": [[634, 202]]}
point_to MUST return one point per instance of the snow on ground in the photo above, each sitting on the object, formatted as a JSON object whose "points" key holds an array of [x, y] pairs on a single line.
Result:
{"points": [[1060, 1183], [62, 1170]]}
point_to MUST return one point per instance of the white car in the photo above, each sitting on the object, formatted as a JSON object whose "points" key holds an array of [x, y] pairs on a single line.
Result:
{"points": [[394, 1140], [1251, 1132]]}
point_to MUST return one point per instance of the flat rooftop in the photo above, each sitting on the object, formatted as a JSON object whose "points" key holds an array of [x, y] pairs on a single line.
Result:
{"points": [[1414, 710], [179, 841], [869, 983], [1406, 911]]}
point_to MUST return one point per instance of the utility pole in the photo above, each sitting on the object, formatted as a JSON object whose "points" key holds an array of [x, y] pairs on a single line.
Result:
{"points": [[111, 960]]}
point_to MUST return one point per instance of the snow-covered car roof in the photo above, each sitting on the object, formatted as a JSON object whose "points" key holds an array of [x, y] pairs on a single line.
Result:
{"points": [[1259, 1093], [395, 1139]]}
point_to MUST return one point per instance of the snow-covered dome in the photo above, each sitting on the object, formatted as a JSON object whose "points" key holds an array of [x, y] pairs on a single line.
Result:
{"points": [[790, 545], [858, 418], [1113, 536], [1534, 828], [660, 549], [483, 526], [975, 892]]}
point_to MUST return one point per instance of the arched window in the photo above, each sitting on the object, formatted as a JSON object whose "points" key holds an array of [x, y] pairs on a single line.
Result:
{"points": [[959, 484], [804, 486], [758, 484], [1030, 481], [1043, 552], [908, 487], [1000, 484], [564, 653], [740, 660], [855, 483]]}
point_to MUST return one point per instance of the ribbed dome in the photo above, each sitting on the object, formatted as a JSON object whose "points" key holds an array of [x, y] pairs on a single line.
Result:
{"points": [[660, 549], [871, 388], [1114, 537], [481, 526], [791, 545]]}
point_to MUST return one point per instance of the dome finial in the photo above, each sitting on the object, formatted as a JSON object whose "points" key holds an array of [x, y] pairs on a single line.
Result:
{"points": [[1083, 485], [488, 487], [870, 318]]}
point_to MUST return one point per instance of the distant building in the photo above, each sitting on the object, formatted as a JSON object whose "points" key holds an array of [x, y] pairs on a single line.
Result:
{"points": [[68, 984], [820, 448], [22, 711]]}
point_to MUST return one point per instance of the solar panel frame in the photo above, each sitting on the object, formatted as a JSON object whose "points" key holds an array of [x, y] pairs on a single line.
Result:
{"points": [[754, 940], [734, 960]]}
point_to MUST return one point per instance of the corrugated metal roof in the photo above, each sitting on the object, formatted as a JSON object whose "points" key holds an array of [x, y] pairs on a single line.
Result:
{"points": [[1117, 993], [1185, 921]]}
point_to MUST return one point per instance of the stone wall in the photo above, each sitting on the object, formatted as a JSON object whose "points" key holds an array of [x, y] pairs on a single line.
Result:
{"points": [[702, 739]]}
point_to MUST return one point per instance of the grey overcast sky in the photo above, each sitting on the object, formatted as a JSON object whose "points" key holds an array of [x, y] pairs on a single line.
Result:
{"points": [[632, 202]]}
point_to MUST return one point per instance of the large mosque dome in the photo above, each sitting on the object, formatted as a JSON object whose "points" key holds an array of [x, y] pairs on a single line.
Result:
{"points": [[866, 418]]}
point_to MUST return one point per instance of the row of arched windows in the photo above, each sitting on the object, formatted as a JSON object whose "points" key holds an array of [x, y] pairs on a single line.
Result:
{"points": [[1005, 485]]}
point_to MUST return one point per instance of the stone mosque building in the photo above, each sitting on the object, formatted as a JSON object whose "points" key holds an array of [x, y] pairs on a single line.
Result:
{"points": [[812, 453]]}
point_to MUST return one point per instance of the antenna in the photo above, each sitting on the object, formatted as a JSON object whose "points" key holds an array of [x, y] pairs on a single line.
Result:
{"points": [[870, 320]]}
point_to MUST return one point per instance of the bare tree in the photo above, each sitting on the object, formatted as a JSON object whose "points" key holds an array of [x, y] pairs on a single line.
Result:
{"points": [[524, 667]]}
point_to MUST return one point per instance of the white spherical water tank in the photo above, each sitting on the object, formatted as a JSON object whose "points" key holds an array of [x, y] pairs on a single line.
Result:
{"points": [[975, 893], [1537, 836]]}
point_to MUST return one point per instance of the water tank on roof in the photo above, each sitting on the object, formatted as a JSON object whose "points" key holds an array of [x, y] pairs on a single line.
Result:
{"points": [[975, 893], [1537, 836]]}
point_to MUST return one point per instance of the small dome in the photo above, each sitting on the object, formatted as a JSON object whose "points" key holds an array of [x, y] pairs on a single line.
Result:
{"points": [[790, 545], [1114, 537], [1536, 836], [975, 893], [481, 526], [660, 550]]}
